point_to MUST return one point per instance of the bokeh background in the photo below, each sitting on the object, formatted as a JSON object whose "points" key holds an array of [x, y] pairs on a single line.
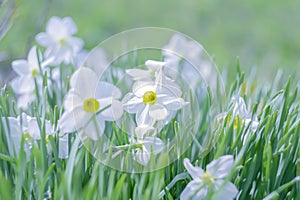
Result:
{"points": [[264, 34]]}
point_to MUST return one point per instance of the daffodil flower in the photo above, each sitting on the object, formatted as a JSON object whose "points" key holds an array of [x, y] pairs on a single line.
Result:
{"points": [[28, 71], [59, 41], [210, 181], [89, 104], [152, 102], [28, 128]]}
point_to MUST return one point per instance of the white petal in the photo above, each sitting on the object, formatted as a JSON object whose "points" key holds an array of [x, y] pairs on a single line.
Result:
{"points": [[23, 85], [192, 191], [228, 192], [131, 103], [142, 116], [94, 131], [172, 103], [140, 88], [70, 25], [221, 167], [33, 59], [138, 74], [153, 144], [25, 100], [142, 156], [21, 67], [44, 39], [154, 65], [105, 90], [72, 120], [195, 172], [158, 112], [72, 100], [84, 81], [112, 113]]}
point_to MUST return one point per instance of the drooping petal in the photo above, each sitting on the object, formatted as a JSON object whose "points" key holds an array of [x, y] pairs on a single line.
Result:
{"points": [[72, 120], [195, 172], [142, 156], [193, 191], [221, 167], [24, 100], [158, 112], [142, 130]]}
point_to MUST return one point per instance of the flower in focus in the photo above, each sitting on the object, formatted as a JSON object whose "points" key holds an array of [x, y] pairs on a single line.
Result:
{"points": [[89, 104], [210, 181], [28, 71], [152, 102], [28, 128], [59, 41]]}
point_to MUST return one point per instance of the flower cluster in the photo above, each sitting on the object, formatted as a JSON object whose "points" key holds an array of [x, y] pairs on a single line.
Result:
{"points": [[89, 103], [154, 100]]}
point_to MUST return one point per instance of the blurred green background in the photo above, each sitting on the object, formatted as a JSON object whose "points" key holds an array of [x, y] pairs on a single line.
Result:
{"points": [[263, 34]]}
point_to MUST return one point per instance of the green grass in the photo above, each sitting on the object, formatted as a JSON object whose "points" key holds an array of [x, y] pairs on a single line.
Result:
{"points": [[266, 164]]}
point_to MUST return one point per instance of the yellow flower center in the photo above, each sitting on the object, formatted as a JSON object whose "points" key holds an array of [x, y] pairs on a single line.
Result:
{"points": [[91, 105], [47, 139], [27, 136], [62, 41], [34, 72], [207, 178], [149, 97]]}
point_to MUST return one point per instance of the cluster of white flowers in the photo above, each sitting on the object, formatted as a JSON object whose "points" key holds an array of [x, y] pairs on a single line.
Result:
{"points": [[155, 98]]}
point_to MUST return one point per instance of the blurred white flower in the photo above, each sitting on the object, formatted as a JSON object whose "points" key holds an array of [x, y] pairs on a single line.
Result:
{"points": [[28, 71], [186, 57], [28, 128], [59, 41], [240, 113], [152, 102], [211, 180], [145, 147], [89, 104]]}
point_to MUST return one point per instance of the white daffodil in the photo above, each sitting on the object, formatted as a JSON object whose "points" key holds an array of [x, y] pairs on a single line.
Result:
{"points": [[89, 104], [210, 181], [28, 128], [59, 41], [152, 102], [28, 71], [145, 147]]}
